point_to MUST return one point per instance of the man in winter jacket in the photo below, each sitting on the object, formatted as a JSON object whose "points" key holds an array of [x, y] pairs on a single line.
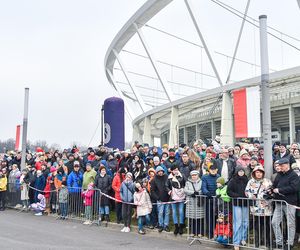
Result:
{"points": [[171, 161], [160, 194], [186, 165], [284, 153], [286, 187], [226, 165]]}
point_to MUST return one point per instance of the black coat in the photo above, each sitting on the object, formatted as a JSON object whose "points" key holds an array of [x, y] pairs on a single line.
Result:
{"points": [[288, 186], [104, 184], [158, 188], [236, 189], [231, 164], [186, 169], [287, 155]]}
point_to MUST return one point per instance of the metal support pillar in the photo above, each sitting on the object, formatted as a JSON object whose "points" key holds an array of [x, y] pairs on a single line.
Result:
{"points": [[129, 112], [147, 130], [292, 124], [265, 93], [24, 134], [227, 130], [136, 134], [163, 81], [203, 42], [132, 86], [213, 129], [173, 138]]}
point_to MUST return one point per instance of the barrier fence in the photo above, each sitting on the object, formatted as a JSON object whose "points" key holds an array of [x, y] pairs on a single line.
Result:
{"points": [[254, 224]]}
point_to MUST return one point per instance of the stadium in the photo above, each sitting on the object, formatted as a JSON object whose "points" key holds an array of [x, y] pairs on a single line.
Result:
{"points": [[179, 101]]}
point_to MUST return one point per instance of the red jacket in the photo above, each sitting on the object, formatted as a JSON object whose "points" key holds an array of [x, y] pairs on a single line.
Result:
{"points": [[223, 229], [116, 185], [88, 197]]}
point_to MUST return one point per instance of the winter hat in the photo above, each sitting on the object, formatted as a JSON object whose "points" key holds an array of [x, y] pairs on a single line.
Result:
{"points": [[254, 158], [283, 160], [156, 158], [194, 172], [213, 166], [76, 163], [171, 150], [40, 196], [159, 168], [239, 168], [221, 180], [243, 151], [129, 175], [258, 168], [88, 164], [52, 169], [151, 170]]}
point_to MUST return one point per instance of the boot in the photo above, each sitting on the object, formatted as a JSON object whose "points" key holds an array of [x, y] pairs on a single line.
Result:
{"points": [[181, 227], [106, 217], [176, 230]]}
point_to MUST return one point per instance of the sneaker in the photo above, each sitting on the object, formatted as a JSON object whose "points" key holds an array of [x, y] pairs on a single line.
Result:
{"points": [[243, 243], [127, 230], [167, 229], [160, 229], [141, 231], [38, 214], [151, 227], [86, 222], [123, 229]]}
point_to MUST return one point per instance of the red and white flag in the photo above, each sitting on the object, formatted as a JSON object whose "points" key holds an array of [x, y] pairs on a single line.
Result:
{"points": [[246, 104]]}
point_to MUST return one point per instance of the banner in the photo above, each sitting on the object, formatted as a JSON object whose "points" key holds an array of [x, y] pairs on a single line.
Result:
{"points": [[246, 105], [17, 145]]}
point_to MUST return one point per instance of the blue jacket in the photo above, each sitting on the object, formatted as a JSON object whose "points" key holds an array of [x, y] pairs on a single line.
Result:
{"points": [[127, 191], [40, 183], [74, 182], [209, 184]]}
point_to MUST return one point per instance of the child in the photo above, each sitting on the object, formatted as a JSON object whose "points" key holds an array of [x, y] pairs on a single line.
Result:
{"points": [[223, 200], [40, 206], [3, 184], [144, 206], [88, 202], [63, 200], [223, 232], [24, 189]]}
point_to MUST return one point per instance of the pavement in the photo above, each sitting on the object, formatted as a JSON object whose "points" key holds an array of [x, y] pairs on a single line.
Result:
{"points": [[19, 230]]}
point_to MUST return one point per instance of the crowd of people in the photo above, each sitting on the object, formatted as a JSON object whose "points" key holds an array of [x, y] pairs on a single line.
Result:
{"points": [[209, 185]]}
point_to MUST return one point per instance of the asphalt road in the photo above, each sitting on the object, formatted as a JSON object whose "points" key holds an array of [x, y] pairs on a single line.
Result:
{"points": [[26, 231]]}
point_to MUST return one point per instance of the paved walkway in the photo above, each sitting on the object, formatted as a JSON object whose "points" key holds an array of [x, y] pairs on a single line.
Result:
{"points": [[26, 231]]}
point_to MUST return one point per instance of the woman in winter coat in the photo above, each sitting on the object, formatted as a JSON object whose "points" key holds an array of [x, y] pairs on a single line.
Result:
{"points": [[103, 182], [258, 189], [194, 206], [126, 193], [139, 171], [175, 186], [116, 186], [236, 190], [144, 206], [14, 184]]}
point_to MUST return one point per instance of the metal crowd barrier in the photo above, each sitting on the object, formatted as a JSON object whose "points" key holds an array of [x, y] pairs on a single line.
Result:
{"points": [[241, 222], [253, 224]]}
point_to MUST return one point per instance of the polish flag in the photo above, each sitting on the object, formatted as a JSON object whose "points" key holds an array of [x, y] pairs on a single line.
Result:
{"points": [[246, 105]]}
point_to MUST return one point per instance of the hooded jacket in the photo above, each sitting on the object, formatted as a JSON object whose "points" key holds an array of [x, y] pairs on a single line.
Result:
{"points": [[236, 188], [158, 188], [257, 189]]}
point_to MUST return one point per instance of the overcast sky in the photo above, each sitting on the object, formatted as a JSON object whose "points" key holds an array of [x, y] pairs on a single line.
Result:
{"points": [[57, 49]]}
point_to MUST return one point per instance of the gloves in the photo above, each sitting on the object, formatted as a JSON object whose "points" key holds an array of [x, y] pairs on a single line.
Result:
{"points": [[218, 196], [193, 195], [196, 193]]}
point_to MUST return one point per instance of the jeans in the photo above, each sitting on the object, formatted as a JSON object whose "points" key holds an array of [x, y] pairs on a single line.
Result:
{"points": [[222, 241], [163, 214], [289, 212], [154, 215], [180, 207], [104, 210], [63, 209], [88, 212], [141, 221], [240, 224]]}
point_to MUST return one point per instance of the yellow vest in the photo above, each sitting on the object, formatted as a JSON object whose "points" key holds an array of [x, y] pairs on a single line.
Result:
{"points": [[3, 183]]}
